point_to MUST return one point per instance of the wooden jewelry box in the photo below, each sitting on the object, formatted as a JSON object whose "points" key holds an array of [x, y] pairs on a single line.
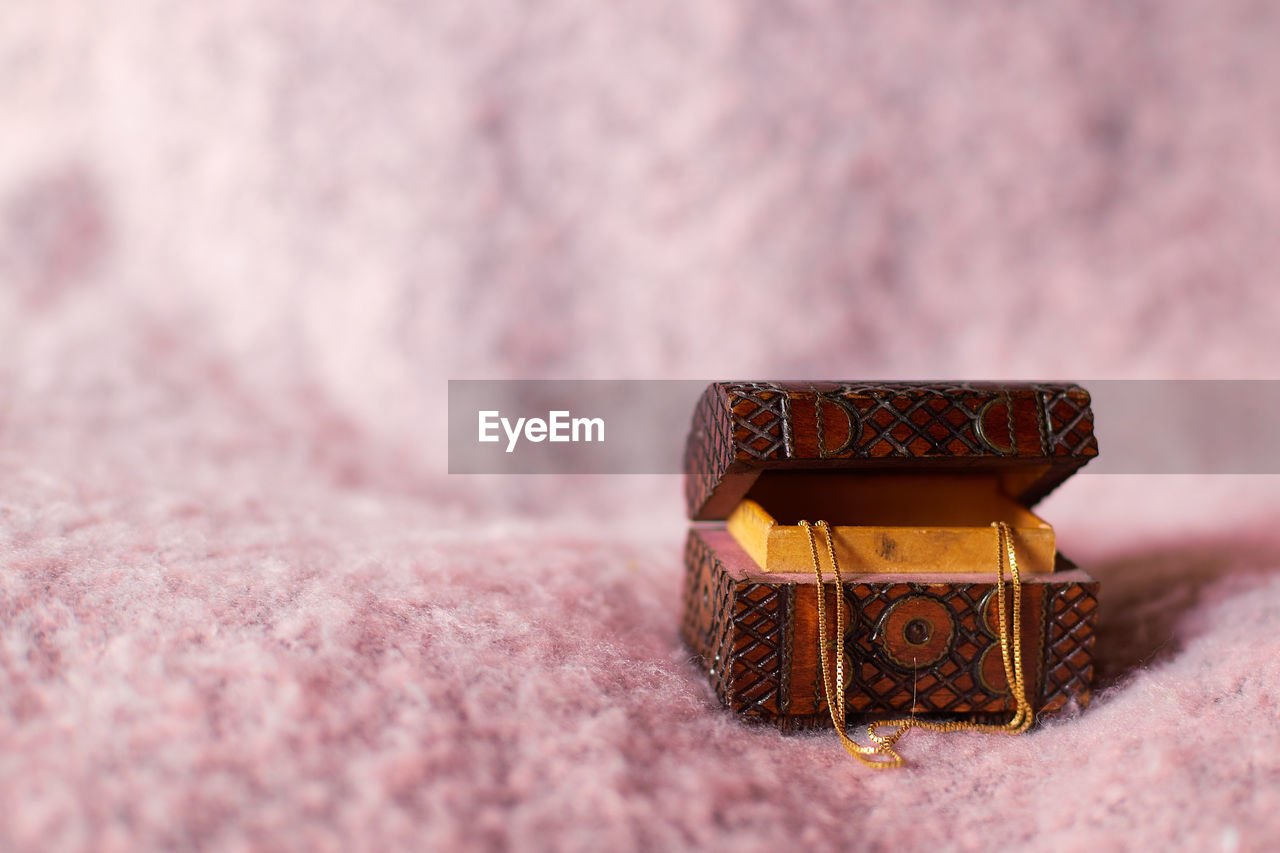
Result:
{"points": [[910, 477]]}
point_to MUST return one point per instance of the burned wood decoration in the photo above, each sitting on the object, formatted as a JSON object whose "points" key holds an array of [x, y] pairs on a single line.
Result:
{"points": [[910, 476]]}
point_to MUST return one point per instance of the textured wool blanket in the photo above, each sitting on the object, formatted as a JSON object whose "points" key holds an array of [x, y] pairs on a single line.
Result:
{"points": [[243, 245]]}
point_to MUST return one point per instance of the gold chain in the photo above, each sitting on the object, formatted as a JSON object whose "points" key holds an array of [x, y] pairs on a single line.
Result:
{"points": [[882, 755]]}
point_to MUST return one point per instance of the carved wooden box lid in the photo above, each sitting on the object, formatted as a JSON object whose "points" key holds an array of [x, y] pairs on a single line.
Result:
{"points": [[1033, 435]]}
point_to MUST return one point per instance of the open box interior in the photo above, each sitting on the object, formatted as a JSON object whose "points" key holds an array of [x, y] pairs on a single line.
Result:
{"points": [[888, 522]]}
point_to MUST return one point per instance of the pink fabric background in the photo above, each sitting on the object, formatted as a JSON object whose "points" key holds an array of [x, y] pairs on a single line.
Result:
{"points": [[244, 244]]}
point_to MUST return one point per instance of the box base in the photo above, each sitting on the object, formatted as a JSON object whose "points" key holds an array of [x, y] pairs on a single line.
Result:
{"points": [[914, 644]]}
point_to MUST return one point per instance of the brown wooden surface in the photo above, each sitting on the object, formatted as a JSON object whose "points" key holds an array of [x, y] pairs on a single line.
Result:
{"points": [[755, 635], [1034, 434]]}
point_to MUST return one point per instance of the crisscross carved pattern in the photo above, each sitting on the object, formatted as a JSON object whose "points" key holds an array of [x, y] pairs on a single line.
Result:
{"points": [[949, 686], [708, 626], [742, 632], [761, 420], [1066, 421], [743, 426], [758, 427], [739, 631], [1069, 673], [914, 419], [758, 648], [709, 450]]}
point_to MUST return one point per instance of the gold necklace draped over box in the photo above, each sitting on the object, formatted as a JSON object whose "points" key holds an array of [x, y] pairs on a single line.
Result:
{"points": [[926, 491]]}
